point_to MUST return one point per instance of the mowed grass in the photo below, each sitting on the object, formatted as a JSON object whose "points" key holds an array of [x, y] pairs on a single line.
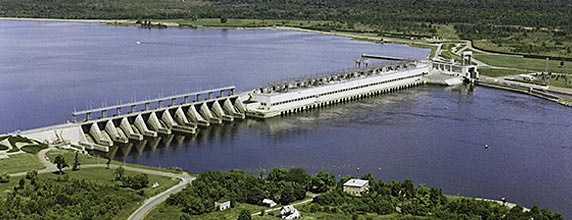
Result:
{"points": [[523, 63], [106, 176], [164, 211], [20, 163], [499, 72], [84, 159]]}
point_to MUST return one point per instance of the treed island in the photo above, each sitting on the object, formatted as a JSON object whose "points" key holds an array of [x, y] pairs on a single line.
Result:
{"points": [[41, 182]]}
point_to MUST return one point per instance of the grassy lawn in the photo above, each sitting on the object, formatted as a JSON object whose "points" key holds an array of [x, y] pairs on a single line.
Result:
{"points": [[307, 215], [105, 176], [499, 72], [164, 211], [3, 147], [523, 63], [33, 148], [20, 163], [447, 54], [447, 31], [69, 156]]}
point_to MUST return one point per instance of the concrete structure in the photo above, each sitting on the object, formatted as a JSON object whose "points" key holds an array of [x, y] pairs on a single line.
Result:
{"points": [[289, 212], [465, 70], [301, 95], [94, 129], [222, 205], [129, 124], [356, 187], [269, 202]]}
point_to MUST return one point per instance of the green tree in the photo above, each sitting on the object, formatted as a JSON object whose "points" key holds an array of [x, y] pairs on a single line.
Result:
{"points": [[136, 182], [22, 183], [32, 174], [194, 206], [244, 215], [108, 163], [261, 172], [223, 19], [118, 174], [185, 216], [76, 162], [60, 163]]}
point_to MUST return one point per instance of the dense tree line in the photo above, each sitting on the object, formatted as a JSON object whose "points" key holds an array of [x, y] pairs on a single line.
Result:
{"points": [[63, 198], [281, 185], [532, 13], [288, 185], [421, 201], [516, 26]]}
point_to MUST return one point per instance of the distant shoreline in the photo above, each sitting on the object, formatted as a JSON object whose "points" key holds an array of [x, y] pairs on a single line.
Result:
{"points": [[64, 20]]}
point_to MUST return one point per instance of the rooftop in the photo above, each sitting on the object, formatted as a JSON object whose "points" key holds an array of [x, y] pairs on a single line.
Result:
{"points": [[337, 77], [356, 182]]}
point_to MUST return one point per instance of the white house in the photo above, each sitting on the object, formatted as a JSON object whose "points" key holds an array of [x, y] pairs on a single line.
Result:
{"points": [[269, 202], [356, 186], [289, 212], [222, 204]]}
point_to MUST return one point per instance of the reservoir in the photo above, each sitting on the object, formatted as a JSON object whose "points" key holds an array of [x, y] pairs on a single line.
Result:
{"points": [[432, 135]]}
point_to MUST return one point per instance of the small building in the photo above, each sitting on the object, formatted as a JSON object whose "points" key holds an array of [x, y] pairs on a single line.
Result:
{"points": [[356, 187], [527, 77], [269, 202], [289, 212], [222, 204]]}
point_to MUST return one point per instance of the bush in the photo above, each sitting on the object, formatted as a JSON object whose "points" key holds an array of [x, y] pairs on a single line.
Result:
{"points": [[34, 148], [136, 182], [4, 178]]}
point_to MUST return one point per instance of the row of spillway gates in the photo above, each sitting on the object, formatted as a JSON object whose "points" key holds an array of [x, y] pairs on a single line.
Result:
{"points": [[184, 113]]}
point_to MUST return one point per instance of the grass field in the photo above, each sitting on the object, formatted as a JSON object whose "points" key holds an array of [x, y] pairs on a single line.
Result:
{"points": [[20, 163], [69, 156], [499, 72], [164, 211], [523, 63]]}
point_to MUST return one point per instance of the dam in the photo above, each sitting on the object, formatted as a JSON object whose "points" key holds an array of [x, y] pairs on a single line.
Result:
{"points": [[104, 127]]}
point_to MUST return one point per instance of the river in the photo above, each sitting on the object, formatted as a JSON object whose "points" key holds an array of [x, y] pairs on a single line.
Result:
{"points": [[432, 135]]}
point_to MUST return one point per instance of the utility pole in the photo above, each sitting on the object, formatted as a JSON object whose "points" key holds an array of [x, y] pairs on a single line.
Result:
{"points": [[546, 65]]}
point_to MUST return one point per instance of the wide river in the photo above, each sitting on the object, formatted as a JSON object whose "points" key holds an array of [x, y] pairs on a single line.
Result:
{"points": [[432, 135]]}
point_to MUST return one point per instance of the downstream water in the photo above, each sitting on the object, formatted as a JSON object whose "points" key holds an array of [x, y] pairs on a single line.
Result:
{"points": [[432, 135]]}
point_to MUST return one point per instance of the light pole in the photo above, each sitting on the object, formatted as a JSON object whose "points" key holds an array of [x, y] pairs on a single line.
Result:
{"points": [[546, 65]]}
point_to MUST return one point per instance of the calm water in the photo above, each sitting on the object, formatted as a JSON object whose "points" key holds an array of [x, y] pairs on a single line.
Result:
{"points": [[433, 135]]}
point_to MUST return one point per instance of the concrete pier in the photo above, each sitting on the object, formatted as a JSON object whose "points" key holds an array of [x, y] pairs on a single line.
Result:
{"points": [[179, 116]]}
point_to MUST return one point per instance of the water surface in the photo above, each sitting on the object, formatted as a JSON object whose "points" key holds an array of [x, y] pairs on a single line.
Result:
{"points": [[432, 135]]}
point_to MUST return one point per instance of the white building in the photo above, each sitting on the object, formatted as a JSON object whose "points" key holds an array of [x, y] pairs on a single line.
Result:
{"points": [[326, 90], [289, 212], [269, 202], [356, 186], [222, 204]]}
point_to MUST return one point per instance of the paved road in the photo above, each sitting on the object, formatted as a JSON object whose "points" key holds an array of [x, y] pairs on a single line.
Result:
{"points": [[148, 204]]}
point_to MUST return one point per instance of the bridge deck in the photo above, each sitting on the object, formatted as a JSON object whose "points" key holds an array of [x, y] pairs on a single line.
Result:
{"points": [[107, 108]]}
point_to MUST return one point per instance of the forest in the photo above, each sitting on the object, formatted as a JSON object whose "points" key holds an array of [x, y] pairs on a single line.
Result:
{"points": [[524, 27], [64, 198], [288, 185]]}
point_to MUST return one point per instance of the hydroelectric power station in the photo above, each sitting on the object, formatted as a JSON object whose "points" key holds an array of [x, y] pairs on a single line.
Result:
{"points": [[102, 128]]}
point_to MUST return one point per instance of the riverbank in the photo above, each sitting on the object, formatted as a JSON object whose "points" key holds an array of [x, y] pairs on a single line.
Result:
{"points": [[211, 23]]}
